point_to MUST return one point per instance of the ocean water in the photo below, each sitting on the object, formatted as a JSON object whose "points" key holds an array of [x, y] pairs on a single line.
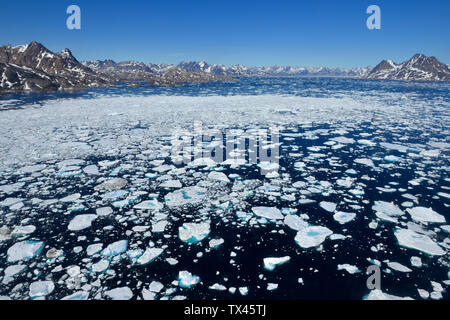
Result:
{"points": [[356, 174]]}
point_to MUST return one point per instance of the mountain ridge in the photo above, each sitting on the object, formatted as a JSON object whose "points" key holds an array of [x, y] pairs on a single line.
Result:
{"points": [[417, 68]]}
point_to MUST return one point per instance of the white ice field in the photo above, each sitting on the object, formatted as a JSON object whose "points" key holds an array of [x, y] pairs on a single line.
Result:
{"points": [[93, 207]]}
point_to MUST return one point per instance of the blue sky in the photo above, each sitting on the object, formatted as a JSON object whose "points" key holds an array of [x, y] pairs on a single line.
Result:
{"points": [[249, 32]]}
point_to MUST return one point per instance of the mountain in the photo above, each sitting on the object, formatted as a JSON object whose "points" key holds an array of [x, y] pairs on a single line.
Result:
{"points": [[272, 71], [418, 68], [155, 74], [34, 67]]}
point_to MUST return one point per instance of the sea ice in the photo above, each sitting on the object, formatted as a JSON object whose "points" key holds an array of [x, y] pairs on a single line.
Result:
{"points": [[270, 213], [398, 267], [271, 263], [149, 205], [187, 279], [218, 176], [328, 206], [123, 293], [81, 221], [380, 295], [423, 214], [149, 255], [312, 236], [349, 268], [41, 288], [25, 250], [411, 239], [344, 217], [188, 195], [79, 295], [115, 248], [100, 266], [387, 208], [215, 243], [112, 184], [12, 271], [193, 232], [416, 262], [272, 286], [295, 222]]}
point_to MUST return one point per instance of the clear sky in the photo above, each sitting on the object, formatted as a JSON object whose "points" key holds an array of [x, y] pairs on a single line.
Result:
{"points": [[329, 33]]}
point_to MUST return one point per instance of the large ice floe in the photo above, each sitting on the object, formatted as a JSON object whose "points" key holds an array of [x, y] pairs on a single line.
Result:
{"points": [[411, 239], [97, 200], [312, 236]]}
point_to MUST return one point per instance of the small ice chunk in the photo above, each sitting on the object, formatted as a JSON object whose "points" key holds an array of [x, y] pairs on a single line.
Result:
{"points": [[271, 263], [149, 205], [312, 236], [94, 248], [92, 170], [123, 293], [193, 232], [272, 286], [115, 248], [41, 288], [218, 287], [79, 295], [349, 268], [23, 230], [218, 176], [423, 293], [188, 195], [398, 267], [295, 222], [187, 279], [100, 266], [380, 295], [271, 213], [215, 243], [155, 286], [112, 184], [387, 208], [365, 161], [149, 255], [171, 184], [344, 217], [81, 221], [243, 291], [104, 211], [416, 262], [328, 206]]}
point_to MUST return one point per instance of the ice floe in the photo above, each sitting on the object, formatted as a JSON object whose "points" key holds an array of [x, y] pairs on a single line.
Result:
{"points": [[25, 250], [271, 263], [410, 239], [187, 279], [193, 232], [423, 214], [312, 236]]}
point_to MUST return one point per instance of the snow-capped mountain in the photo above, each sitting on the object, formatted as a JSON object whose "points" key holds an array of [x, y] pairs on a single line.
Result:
{"points": [[34, 67], [418, 68], [158, 74], [274, 71]]}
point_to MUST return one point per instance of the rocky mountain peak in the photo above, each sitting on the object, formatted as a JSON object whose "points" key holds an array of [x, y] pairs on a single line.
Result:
{"points": [[418, 68]]}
